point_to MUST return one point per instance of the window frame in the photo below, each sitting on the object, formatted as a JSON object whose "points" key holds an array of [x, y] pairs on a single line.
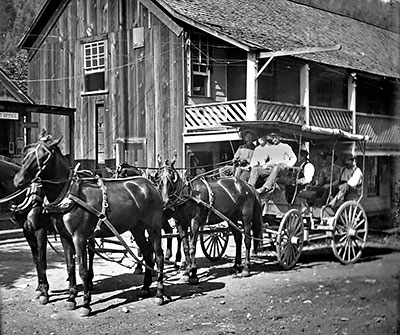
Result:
{"points": [[200, 57], [98, 64]]}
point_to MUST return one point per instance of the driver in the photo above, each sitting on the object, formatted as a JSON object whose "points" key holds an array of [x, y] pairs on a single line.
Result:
{"points": [[278, 156]]}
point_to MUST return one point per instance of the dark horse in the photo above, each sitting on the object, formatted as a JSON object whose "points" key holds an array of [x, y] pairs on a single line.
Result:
{"points": [[36, 225], [193, 205], [93, 206]]}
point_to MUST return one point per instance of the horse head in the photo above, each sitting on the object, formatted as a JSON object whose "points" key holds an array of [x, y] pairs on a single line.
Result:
{"points": [[170, 183], [36, 160]]}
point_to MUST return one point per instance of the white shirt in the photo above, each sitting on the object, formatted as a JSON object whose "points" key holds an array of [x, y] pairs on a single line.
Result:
{"points": [[352, 176], [281, 153], [308, 174]]}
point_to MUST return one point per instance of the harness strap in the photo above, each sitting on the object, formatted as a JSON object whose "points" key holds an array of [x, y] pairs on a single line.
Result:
{"points": [[211, 197], [12, 196]]}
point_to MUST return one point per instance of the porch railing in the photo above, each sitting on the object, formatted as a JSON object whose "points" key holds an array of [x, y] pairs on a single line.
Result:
{"points": [[211, 115], [381, 128]]}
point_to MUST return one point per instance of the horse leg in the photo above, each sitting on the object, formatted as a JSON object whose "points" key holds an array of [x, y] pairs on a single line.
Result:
{"points": [[193, 279], [156, 240], [80, 244], [237, 235], [70, 260], [183, 239], [37, 242], [247, 242], [91, 246], [147, 252], [168, 230]]}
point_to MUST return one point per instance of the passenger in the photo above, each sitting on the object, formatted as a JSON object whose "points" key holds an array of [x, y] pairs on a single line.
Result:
{"points": [[330, 173], [277, 157], [306, 171], [304, 176], [243, 155], [259, 154], [350, 180], [319, 162]]}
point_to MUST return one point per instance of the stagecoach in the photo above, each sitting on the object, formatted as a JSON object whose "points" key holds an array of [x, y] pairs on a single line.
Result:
{"points": [[291, 221]]}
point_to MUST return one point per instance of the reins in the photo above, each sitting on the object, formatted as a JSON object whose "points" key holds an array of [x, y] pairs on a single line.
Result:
{"points": [[14, 195]]}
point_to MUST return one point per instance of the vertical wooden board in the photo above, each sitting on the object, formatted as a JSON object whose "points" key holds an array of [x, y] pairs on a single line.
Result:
{"points": [[149, 93], [157, 86], [113, 15], [180, 93], [93, 16], [123, 82], [104, 16], [165, 77], [142, 120], [131, 71], [174, 131], [112, 105], [80, 15]]}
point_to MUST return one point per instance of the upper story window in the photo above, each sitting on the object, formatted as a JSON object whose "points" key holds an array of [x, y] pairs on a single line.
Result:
{"points": [[200, 61], [95, 66]]}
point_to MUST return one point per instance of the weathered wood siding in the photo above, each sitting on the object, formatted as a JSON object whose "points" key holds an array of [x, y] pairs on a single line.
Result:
{"points": [[145, 96]]}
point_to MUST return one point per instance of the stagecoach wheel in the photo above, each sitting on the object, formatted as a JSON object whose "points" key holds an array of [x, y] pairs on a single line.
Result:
{"points": [[290, 238], [214, 241], [350, 229]]}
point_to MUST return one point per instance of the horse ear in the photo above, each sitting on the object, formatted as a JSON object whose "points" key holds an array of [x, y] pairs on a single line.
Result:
{"points": [[56, 141], [174, 160], [159, 160]]}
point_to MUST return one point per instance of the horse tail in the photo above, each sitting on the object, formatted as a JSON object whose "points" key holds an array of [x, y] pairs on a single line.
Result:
{"points": [[257, 224]]}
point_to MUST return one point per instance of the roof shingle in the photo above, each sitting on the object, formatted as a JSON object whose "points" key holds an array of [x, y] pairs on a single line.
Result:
{"points": [[284, 25]]}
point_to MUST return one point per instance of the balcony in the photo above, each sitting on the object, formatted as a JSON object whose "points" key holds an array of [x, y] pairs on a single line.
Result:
{"points": [[209, 116], [384, 131]]}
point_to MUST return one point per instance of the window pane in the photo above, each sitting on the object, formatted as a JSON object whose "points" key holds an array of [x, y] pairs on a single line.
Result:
{"points": [[199, 85], [94, 82]]}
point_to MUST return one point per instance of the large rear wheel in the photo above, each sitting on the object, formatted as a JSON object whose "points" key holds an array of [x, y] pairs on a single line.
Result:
{"points": [[350, 229], [290, 239], [214, 241]]}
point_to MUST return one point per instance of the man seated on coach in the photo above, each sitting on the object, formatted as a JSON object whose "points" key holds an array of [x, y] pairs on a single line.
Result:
{"points": [[351, 178], [241, 159], [278, 156]]}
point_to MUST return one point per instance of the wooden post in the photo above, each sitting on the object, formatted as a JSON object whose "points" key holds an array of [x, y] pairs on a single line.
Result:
{"points": [[305, 97], [351, 103], [305, 92], [251, 87]]}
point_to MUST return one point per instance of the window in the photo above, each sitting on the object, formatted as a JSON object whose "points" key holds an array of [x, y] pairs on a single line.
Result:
{"points": [[95, 66], [200, 57]]}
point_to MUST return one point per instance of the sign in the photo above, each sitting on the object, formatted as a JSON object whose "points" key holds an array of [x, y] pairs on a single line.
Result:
{"points": [[20, 142], [31, 125], [9, 116]]}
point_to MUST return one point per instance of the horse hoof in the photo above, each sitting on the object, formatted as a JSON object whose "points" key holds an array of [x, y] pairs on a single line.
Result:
{"points": [[70, 305], [245, 273], [43, 300], [38, 294], [184, 280], [84, 311], [193, 280], [144, 294], [159, 301]]}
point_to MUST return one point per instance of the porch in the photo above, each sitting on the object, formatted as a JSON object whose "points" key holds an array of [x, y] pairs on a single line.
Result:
{"points": [[383, 130]]}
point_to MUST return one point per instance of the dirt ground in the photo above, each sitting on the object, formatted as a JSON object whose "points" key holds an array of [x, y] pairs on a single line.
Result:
{"points": [[319, 296]]}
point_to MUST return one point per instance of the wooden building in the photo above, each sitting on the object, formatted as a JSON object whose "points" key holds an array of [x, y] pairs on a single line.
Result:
{"points": [[153, 77]]}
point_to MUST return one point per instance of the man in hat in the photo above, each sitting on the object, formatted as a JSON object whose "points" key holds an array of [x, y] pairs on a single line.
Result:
{"points": [[278, 156], [350, 180]]}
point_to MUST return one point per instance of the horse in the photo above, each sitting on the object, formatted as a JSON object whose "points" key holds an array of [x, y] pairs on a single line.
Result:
{"points": [[36, 225], [96, 207], [202, 202]]}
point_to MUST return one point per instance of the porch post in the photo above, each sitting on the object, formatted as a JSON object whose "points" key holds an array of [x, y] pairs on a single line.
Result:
{"points": [[251, 87], [351, 103], [305, 92]]}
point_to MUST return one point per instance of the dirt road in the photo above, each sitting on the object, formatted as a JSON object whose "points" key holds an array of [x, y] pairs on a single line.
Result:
{"points": [[319, 296]]}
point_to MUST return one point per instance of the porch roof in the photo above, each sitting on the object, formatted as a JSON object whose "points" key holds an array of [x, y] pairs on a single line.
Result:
{"points": [[273, 25]]}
